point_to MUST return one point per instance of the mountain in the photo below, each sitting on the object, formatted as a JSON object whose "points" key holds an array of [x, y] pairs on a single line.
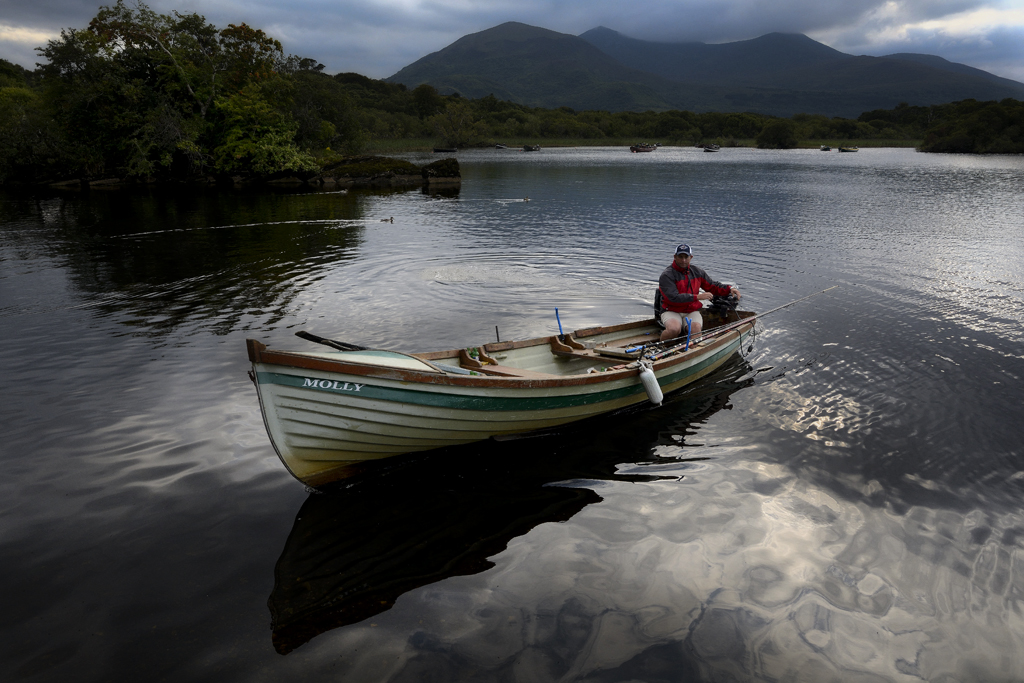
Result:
{"points": [[758, 63], [791, 73], [945, 65], [538, 68], [778, 73]]}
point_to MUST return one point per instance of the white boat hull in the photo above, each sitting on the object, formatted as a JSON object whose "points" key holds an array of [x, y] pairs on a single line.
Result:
{"points": [[333, 413]]}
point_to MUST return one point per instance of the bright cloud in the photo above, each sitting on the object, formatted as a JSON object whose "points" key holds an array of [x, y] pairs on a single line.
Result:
{"points": [[24, 36], [989, 38], [18, 43]]}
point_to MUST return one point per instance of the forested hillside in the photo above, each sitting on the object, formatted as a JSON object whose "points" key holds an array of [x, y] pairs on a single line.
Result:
{"points": [[140, 95]]}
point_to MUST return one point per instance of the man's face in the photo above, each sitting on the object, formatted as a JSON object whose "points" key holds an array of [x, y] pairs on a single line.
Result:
{"points": [[682, 260]]}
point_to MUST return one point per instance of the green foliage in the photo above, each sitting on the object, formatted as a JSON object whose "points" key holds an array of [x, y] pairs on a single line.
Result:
{"points": [[29, 142], [777, 134], [977, 127], [429, 102], [454, 125], [258, 137], [14, 76], [323, 112], [140, 94]]}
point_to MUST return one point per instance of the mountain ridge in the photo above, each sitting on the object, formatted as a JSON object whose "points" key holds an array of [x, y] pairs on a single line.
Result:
{"points": [[778, 73]]}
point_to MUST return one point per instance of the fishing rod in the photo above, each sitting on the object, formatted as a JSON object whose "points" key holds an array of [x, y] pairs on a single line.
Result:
{"points": [[723, 329], [732, 326]]}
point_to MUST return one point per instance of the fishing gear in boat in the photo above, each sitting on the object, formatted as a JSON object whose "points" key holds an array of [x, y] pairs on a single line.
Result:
{"points": [[649, 353], [657, 350], [731, 326]]}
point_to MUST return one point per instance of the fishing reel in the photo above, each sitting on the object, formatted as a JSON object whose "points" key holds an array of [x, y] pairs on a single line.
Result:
{"points": [[723, 304]]}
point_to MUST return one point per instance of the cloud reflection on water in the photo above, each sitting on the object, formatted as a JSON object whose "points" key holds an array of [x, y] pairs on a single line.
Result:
{"points": [[815, 588]]}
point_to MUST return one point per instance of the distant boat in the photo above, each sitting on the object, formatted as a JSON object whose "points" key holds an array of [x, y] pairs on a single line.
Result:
{"points": [[826, 148], [500, 146], [445, 150], [711, 148], [531, 148], [642, 148], [848, 149]]}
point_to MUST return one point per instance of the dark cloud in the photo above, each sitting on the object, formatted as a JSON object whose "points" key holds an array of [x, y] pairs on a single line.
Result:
{"points": [[51, 15]]}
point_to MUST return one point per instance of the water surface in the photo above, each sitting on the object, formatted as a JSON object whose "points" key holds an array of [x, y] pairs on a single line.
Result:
{"points": [[842, 502]]}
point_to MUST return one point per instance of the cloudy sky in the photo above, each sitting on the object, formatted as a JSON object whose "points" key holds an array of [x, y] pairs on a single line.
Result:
{"points": [[378, 37]]}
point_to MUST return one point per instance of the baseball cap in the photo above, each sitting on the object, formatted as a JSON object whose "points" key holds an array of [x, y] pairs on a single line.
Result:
{"points": [[684, 249]]}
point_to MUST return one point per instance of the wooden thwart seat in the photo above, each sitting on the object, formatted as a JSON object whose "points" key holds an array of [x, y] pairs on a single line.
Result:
{"points": [[487, 365]]}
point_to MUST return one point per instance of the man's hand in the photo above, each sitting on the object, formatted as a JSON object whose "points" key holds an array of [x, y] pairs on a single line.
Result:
{"points": [[705, 296]]}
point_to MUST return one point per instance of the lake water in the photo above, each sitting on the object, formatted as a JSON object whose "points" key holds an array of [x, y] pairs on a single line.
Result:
{"points": [[842, 502]]}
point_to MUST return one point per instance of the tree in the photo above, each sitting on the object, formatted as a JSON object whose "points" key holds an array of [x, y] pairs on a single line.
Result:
{"points": [[154, 94], [29, 143], [777, 134], [257, 137], [455, 124], [323, 111], [428, 101]]}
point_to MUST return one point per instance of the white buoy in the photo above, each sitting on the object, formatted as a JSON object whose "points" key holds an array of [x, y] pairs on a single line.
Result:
{"points": [[650, 383]]}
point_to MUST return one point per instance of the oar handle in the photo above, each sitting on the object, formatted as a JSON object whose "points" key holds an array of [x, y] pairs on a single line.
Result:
{"points": [[341, 346]]}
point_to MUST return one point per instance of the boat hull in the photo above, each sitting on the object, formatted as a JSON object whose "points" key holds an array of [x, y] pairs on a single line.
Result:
{"points": [[324, 417]]}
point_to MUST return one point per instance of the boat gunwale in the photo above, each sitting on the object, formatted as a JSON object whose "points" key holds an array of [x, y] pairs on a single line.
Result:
{"points": [[259, 353]]}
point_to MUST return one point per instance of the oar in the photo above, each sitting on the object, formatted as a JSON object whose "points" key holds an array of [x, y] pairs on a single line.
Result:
{"points": [[340, 346]]}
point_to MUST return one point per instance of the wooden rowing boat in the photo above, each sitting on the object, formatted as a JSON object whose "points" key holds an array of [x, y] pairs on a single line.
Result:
{"points": [[328, 411]]}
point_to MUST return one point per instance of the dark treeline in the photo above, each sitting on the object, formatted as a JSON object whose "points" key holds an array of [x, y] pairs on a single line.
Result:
{"points": [[143, 95]]}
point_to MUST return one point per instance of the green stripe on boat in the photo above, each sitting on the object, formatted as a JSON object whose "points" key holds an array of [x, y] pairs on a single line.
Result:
{"points": [[464, 402]]}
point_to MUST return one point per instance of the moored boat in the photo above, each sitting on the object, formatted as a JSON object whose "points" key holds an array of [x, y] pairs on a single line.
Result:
{"points": [[826, 148], [642, 148], [531, 148], [328, 411], [848, 149]]}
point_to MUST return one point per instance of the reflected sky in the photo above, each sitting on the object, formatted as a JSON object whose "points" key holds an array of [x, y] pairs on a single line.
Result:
{"points": [[739, 570]]}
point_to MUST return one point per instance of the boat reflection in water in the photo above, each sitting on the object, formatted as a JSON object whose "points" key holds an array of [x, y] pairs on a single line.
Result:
{"points": [[350, 555], [353, 551]]}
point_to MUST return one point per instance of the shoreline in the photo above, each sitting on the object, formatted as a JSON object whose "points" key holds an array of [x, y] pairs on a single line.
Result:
{"points": [[363, 172], [411, 145], [387, 172]]}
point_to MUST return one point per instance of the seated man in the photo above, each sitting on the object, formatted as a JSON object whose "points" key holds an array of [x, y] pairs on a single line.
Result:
{"points": [[681, 296]]}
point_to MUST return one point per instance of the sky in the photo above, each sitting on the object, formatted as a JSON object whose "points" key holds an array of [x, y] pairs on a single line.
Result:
{"points": [[377, 38]]}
